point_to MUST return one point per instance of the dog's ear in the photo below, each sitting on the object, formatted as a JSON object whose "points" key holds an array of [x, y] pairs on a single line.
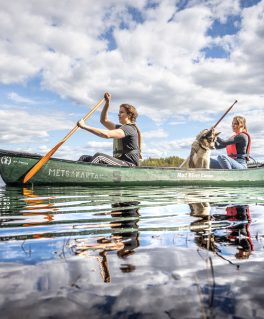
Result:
{"points": [[207, 134], [210, 133], [202, 134]]}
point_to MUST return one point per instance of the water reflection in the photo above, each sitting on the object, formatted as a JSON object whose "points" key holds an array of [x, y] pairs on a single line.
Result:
{"points": [[128, 252], [217, 232], [33, 204], [109, 220], [238, 233], [124, 238]]}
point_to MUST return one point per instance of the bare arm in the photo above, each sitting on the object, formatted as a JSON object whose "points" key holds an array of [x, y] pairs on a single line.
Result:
{"points": [[104, 114], [116, 133]]}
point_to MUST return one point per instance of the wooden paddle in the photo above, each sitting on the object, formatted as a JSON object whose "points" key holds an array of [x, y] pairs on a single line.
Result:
{"points": [[223, 116], [45, 158]]}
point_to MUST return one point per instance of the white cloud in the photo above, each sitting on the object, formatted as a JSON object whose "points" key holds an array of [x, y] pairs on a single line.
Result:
{"points": [[164, 148], [157, 65], [13, 96], [159, 133], [20, 126], [73, 152], [66, 47]]}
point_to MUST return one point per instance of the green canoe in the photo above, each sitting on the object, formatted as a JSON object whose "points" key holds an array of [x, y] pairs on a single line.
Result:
{"points": [[14, 166]]}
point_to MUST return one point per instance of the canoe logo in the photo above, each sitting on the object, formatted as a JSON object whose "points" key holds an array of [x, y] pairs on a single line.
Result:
{"points": [[5, 160]]}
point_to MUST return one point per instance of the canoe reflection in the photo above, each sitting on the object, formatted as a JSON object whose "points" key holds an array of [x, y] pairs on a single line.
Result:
{"points": [[124, 238], [216, 231]]}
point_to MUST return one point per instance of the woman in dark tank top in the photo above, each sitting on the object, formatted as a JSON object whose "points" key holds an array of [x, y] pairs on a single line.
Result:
{"points": [[127, 138]]}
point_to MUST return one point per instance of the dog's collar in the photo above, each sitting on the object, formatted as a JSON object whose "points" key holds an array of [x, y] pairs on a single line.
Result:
{"points": [[204, 148]]}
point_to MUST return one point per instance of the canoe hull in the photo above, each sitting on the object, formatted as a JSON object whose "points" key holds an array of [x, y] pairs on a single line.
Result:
{"points": [[14, 166]]}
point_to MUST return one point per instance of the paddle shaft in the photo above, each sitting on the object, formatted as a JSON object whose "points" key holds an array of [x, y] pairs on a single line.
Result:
{"points": [[45, 158], [223, 116]]}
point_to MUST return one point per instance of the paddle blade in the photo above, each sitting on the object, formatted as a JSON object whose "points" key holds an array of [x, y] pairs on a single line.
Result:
{"points": [[41, 162]]}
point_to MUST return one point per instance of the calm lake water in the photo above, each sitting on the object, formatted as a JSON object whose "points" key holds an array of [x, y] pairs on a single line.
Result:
{"points": [[131, 252]]}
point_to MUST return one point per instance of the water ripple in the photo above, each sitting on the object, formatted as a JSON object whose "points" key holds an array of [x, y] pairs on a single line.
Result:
{"points": [[47, 217]]}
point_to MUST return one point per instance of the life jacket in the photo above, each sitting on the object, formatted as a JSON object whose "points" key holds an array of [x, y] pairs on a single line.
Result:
{"points": [[238, 213], [232, 151], [118, 145], [139, 141]]}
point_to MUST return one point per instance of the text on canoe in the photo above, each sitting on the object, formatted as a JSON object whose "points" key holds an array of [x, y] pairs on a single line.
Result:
{"points": [[73, 174]]}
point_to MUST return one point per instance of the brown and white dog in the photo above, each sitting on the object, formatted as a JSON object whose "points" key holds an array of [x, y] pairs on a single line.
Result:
{"points": [[201, 150]]}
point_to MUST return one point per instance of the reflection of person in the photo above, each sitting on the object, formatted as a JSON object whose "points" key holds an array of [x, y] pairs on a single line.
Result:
{"points": [[240, 234], [129, 227], [124, 237], [126, 136], [237, 234], [237, 147]]}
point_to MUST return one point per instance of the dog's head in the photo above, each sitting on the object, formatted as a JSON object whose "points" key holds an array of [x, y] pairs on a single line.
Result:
{"points": [[200, 209], [207, 138]]}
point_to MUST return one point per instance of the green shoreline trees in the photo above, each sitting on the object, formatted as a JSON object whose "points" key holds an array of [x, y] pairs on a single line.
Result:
{"points": [[172, 161]]}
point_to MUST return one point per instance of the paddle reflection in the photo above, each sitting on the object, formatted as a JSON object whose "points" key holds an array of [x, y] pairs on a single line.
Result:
{"points": [[124, 238], [219, 232], [33, 206]]}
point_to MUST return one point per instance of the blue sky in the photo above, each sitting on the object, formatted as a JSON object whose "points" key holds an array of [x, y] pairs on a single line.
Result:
{"points": [[181, 63]]}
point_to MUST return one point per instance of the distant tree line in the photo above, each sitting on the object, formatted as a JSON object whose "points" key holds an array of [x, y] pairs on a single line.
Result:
{"points": [[172, 161]]}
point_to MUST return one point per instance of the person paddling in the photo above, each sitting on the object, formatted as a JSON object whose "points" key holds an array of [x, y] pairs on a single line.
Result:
{"points": [[237, 147], [126, 135]]}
